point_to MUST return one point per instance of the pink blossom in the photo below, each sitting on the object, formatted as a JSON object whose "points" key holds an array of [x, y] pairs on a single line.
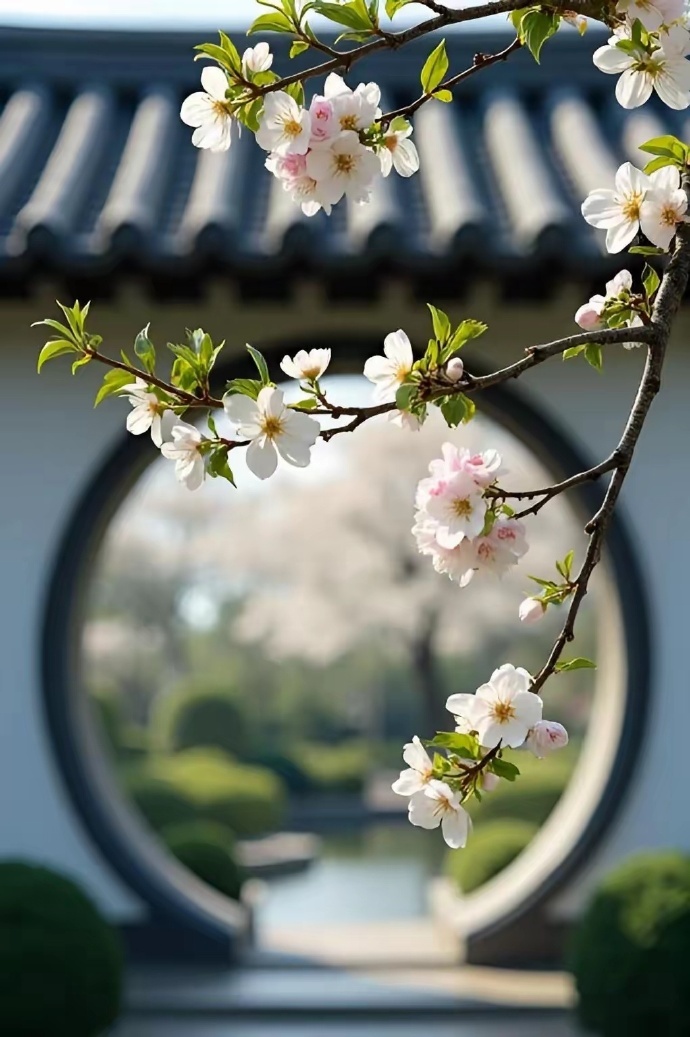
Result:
{"points": [[454, 369], [589, 314], [323, 123], [545, 737], [482, 468]]}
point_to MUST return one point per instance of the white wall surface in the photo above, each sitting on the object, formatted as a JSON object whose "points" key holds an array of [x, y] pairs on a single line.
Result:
{"points": [[53, 442]]}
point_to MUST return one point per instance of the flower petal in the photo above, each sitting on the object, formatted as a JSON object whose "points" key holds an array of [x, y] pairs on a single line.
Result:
{"points": [[262, 458]]}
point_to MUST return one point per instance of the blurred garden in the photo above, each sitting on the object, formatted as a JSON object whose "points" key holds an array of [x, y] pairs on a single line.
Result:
{"points": [[251, 675]]}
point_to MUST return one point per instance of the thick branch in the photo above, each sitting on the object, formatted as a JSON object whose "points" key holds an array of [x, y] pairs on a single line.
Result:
{"points": [[668, 300]]}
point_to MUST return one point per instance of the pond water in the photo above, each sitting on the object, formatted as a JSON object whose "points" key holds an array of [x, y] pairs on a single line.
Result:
{"points": [[378, 873]]}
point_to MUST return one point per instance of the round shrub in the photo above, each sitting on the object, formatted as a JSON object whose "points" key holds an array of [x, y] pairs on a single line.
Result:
{"points": [[208, 850], [60, 962], [291, 773], [492, 848], [198, 716], [335, 768], [248, 800], [533, 796], [160, 803], [631, 950]]}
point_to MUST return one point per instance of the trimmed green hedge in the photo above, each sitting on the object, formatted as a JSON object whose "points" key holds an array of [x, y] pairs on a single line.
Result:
{"points": [[60, 961], [632, 948], [334, 768], [160, 802], [248, 800], [533, 795], [208, 850], [492, 848], [199, 715]]}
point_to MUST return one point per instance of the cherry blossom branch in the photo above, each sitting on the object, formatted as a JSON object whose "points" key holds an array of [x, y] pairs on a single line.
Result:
{"points": [[480, 62], [395, 40], [669, 298], [184, 397]]}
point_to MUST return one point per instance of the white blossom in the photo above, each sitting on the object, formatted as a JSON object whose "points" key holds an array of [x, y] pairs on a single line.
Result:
{"points": [[291, 170], [353, 109], [343, 166], [273, 429], [388, 372], [419, 770], [147, 412], [502, 711], [617, 211], [439, 805], [398, 152], [652, 15], [664, 207], [531, 610], [184, 449], [210, 112], [284, 127], [257, 59], [306, 365], [455, 508], [545, 737], [664, 70]]}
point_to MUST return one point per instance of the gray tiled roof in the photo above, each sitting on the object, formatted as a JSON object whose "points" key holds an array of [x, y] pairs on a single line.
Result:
{"points": [[98, 175]]}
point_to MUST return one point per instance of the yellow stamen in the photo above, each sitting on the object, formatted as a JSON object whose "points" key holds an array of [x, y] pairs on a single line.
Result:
{"points": [[631, 206], [462, 508], [348, 122], [271, 426], [344, 163], [503, 712]]}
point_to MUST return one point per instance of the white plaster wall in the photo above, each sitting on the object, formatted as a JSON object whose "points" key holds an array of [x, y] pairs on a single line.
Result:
{"points": [[53, 441]]}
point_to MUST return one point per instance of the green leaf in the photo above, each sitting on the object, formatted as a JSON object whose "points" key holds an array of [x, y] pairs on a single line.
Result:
{"points": [[298, 47], [308, 404], [393, 6], [405, 395], [57, 347], [457, 409], [568, 354], [651, 167], [575, 664], [261, 365], [244, 387], [435, 68], [453, 740], [145, 350], [668, 146], [112, 383], [565, 567], [443, 95], [594, 356], [274, 22], [650, 280], [85, 359], [63, 331], [217, 465], [647, 250], [515, 17], [536, 28], [354, 15], [504, 769], [463, 334], [441, 324]]}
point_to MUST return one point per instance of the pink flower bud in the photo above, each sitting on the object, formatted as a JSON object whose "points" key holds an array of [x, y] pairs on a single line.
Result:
{"points": [[545, 737], [454, 369], [588, 317], [531, 610], [489, 781]]}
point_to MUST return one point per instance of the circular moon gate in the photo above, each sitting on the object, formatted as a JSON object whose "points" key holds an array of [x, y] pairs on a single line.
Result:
{"points": [[186, 918]]}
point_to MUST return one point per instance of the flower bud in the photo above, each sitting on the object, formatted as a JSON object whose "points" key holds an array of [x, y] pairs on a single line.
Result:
{"points": [[531, 610], [545, 737], [454, 369], [588, 317]]}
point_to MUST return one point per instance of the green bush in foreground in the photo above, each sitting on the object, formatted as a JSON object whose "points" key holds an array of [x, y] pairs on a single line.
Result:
{"points": [[631, 951], [60, 962], [492, 848], [208, 850]]}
